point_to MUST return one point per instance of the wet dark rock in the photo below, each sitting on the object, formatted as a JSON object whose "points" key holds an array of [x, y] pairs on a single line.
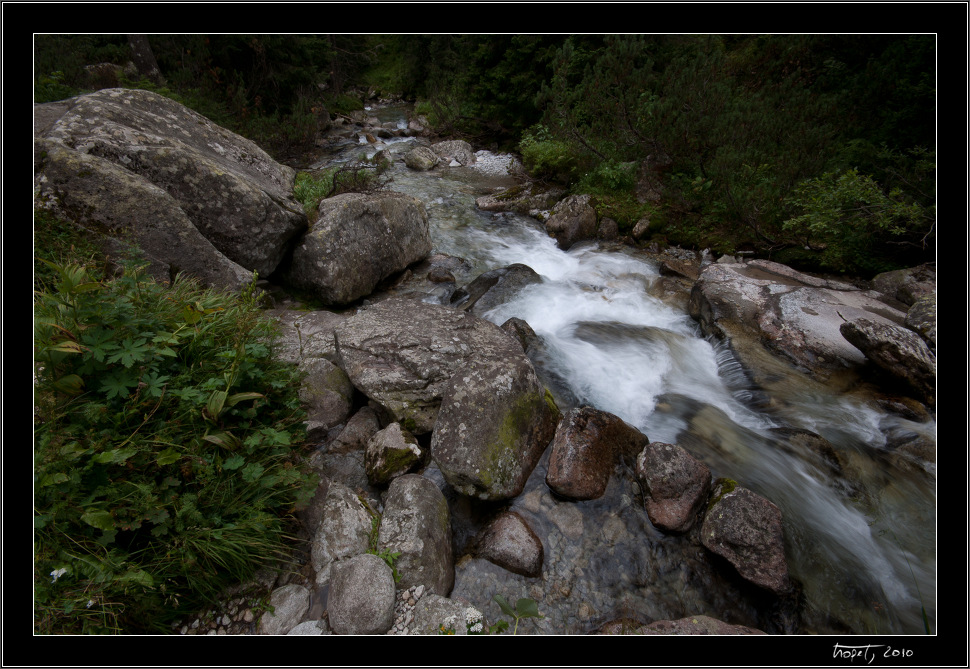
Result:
{"points": [[494, 288], [583, 453], [509, 542]]}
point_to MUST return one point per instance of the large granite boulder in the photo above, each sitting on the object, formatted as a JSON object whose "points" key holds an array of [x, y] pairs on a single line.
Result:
{"points": [[495, 421], [403, 353], [898, 351], [746, 529], [907, 285], [361, 599], [455, 152], [921, 319], [794, 315], [357, 241], [343, 532], [133, 160], [421, 158], [573, 219], [417, 525]]}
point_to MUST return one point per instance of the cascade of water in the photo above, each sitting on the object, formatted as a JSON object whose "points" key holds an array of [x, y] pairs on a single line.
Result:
{"points": [[860, 536]]}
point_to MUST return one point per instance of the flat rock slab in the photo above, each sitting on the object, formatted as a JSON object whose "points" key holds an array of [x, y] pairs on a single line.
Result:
{"points": [[403, 353], [794, 315]]}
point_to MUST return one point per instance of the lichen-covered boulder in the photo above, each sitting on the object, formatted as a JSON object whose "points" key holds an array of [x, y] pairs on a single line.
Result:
{"points": [[343, 532], [746, 529], [357, 241], [455, 151], [496, 420], [231, 191], [390, 453], [361, 599], [907, 285], [896, 350], [676, 486], [793, 315], [421, 158], [402, 354], [117, 207], [417, 524], [921, 319], [573, 219]]}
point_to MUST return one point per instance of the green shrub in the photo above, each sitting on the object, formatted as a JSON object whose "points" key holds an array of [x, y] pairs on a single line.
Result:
{"points": [[361, 176], [545, 157], [165, 449], [850, 220]]}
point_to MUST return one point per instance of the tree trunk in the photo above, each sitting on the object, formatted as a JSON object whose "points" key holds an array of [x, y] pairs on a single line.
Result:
{"points": [[144, 59]]}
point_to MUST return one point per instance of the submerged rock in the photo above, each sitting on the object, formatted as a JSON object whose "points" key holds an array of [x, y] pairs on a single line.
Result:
{"points": [[509, 542]]}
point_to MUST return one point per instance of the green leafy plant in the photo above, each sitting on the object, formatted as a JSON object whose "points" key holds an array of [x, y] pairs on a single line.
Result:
{"points": [[166, 448], [847, 214], [525, 607]]}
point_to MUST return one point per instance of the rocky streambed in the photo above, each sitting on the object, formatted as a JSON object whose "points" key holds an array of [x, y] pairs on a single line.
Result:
{"points": [[507, 400]]}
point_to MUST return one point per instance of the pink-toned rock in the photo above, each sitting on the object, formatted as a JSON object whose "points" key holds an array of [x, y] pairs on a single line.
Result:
{"points": [[584, 450], [511, 544], [745, 528], [676, 486]]}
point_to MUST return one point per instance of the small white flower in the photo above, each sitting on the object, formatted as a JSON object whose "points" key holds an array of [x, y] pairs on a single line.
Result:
{"points": [[57, 573], [477, 627], [90, 603]]}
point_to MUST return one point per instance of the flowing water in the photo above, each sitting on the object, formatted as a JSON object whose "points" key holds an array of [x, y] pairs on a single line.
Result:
{"points": [[860, 526]]}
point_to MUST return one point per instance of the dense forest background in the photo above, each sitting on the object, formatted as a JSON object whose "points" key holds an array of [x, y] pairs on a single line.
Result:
{"points": [[813, 150]]}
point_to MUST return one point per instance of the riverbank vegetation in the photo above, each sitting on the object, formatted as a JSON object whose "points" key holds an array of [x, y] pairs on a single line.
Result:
{"points": [[166, 442], [815, 150], [166, 437]]}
